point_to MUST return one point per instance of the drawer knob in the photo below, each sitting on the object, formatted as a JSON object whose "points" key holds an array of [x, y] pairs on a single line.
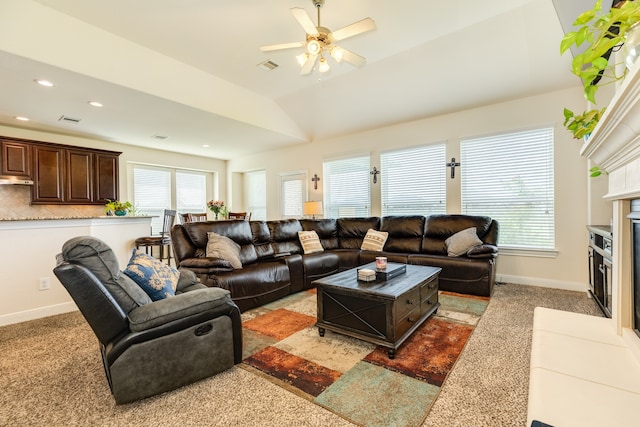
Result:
{"points": [[410, 301], [411, 319], [431, 286]]}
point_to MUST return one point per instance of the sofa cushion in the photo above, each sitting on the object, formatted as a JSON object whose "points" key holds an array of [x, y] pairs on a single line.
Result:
{"points": [[310, 242], [405, 233], [327, 229], [462, 241], [374, 240], [157, 279], [223, 247], [238, 231], [284, 236], [262, 239], [351, 231]]}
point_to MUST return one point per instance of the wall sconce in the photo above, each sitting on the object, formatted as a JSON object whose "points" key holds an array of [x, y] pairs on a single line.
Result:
{"points": [[312, 208]]}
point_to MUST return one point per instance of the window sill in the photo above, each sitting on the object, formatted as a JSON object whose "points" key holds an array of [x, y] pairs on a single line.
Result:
{"points": [[528, 252]]}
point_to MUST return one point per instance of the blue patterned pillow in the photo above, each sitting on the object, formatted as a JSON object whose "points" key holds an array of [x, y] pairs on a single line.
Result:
{"points": [[159, 280]]}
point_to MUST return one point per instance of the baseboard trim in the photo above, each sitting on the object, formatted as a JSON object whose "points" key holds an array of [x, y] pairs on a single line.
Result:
{"points": [[543, 283], [37, 313]]}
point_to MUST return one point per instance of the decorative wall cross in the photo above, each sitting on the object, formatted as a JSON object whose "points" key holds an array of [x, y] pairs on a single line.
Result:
{"points": [[315, 180], [452, 164], [375, 172]]}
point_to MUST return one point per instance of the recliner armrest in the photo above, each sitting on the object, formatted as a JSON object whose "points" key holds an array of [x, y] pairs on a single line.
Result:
{"points": [[179, 307], [483, 251]]}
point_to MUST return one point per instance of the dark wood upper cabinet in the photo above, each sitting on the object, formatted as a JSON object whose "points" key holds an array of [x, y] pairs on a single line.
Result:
{"points": [[48, 175], [15, 159], [106, 177], [62, 174], [79, 176]]}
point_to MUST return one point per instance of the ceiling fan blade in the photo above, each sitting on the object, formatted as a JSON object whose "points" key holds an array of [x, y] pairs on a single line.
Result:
{"points": [[362, 26], [353, 58], [303, 19], [308, 66], [281, 46]]}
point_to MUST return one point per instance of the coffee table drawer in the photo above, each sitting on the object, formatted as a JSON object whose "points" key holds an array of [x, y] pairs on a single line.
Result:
{"points": [[407, 302], [406, 322]]}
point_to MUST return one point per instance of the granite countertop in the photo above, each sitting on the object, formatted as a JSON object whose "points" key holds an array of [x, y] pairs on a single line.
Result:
{"points": [[74, 217]]}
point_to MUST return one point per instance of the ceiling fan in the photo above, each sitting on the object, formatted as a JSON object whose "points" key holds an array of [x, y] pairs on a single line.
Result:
{"points": [[319, 41]]}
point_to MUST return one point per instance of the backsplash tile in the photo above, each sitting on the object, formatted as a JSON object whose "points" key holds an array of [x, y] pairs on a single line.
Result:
{"points": [[15, 203]]}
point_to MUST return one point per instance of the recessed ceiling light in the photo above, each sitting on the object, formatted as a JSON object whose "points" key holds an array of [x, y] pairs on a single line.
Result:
{"points": [[205, 145], [46, 83], [95, 104], [22, 119]]}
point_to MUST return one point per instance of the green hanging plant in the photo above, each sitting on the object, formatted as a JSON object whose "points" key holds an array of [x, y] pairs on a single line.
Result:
{"points": [[583, 124]]}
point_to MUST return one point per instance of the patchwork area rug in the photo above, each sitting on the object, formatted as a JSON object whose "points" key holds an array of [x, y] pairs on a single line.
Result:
{"points": [[353, 378]]}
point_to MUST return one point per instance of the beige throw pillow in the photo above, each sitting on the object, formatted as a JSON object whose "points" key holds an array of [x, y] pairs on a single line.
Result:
{"points": [[310, 242], [459, 243], [374, 240], [223, 247]]}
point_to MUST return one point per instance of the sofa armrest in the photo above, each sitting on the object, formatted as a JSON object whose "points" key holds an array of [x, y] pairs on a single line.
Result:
{"points": [[206, 265], [483, 251], [180, 307]]}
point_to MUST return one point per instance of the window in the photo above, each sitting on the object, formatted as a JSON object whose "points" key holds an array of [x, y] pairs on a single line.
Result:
{"points": [[413, 181], [156, 189], [256, 191], [346, 187], [510, 178], [293, 193]]}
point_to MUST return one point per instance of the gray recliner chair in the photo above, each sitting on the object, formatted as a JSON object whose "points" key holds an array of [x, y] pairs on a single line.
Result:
{"points": [[149, 347]]}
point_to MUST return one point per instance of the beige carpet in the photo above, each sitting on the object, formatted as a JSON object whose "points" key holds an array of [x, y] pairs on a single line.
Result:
{"points": [[51, 375]]}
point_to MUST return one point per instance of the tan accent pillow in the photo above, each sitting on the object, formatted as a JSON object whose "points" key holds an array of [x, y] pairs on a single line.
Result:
{"points": [[459, 243], [374, 240], [310, 242], [223, 247]]}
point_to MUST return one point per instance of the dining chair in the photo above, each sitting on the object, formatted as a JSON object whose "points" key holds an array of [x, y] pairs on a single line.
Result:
{"points": [[239, 215], [163, 240], [194, 217]]}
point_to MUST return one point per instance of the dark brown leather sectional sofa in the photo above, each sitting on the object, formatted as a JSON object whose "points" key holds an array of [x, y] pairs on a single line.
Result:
{"points": [[274, 265]]}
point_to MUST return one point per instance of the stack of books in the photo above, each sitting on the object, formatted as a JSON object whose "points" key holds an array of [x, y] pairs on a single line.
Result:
{"points": [[366, 275]]}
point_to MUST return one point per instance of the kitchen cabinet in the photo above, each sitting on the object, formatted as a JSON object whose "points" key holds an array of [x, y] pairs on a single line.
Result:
{"points": [[48, 175], [69, 175], [15, 159]]}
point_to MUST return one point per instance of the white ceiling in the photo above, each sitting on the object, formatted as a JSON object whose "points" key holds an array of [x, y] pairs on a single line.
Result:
{"points": [[188, 69]]}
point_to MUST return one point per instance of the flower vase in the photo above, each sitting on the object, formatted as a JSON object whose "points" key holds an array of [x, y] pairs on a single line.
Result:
{"points": [[216, 214]]}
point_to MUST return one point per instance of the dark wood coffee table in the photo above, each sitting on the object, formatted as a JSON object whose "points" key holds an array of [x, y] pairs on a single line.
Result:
{"points": [[381, 312]]}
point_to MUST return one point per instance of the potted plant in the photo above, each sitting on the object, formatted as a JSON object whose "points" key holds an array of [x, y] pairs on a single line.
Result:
{"points": [[583, 124], [602, 33], [117, 207]]}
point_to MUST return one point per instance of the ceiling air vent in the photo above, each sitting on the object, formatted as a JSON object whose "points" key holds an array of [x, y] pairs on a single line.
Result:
{"points": [[158, 136], [268, 65], [64, 118]]}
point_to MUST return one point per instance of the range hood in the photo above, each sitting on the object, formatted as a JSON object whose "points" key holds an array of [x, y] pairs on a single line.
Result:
{"points": [[15, 181]]}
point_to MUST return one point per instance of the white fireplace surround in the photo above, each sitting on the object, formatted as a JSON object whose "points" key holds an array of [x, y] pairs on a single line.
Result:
{"points": [[579, 360]]}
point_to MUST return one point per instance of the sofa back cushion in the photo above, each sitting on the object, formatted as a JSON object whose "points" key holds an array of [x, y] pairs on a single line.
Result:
{"points": [[351, 231], [405, 233], [439, 228], [327, 230], [284, 236], [262, 239], [238, 231]]}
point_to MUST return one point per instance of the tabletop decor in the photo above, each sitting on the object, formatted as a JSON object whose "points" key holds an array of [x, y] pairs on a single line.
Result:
{"points": [[118, 208], [217, 207]]}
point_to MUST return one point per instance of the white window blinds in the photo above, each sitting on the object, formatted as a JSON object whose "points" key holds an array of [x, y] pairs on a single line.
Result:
{"points": [[509, 177], [292, 194], [346, 187], [152, 194], [413, 181], [191, 192], [256, 194]]}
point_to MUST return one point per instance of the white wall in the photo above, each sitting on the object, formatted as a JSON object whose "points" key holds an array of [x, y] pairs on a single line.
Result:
{"points": [[567, 270]]}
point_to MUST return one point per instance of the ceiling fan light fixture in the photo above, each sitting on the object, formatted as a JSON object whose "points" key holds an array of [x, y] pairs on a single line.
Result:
{"points": [[324, 65], [302, 58], [337, 53], [314, 47]]}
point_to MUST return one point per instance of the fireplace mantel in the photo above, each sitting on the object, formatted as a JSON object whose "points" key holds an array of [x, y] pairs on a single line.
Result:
{"points": [[615, 142]]}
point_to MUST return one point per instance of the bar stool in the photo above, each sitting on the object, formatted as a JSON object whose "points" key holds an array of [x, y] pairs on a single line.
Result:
{"points": [[163, 240]]}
